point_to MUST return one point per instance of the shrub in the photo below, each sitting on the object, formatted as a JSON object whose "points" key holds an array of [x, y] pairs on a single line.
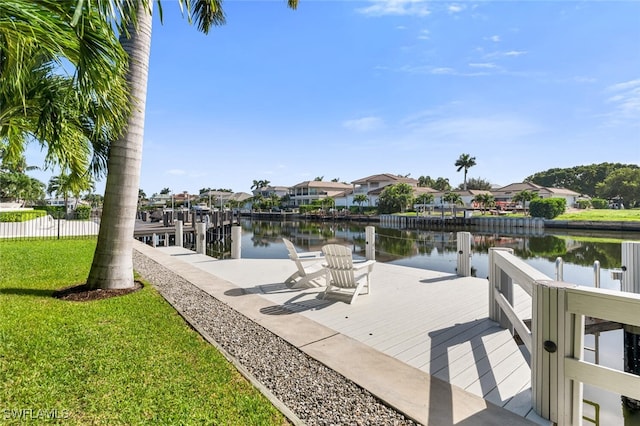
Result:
{"points": [[21, 216], [83, 212], [57, 212], [599, 203], [547, 208], [583, 204], [308, 208]]}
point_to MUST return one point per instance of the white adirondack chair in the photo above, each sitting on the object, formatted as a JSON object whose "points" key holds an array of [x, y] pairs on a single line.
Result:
{"points": [[344, 276], [310, 270]]}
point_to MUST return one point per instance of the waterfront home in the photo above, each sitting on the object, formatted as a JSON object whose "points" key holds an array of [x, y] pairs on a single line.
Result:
{"points": [[308, 191], [371, 186], [504, 195]]}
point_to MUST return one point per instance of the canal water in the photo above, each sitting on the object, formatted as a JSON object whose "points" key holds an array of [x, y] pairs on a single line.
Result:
{"points": [[436, 249]]}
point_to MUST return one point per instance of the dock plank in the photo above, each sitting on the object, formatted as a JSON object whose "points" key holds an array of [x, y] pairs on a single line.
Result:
{"points": [[429, 320]]}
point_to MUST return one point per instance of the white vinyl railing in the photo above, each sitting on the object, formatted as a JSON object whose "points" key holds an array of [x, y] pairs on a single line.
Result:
{"points": [[556, 338]]}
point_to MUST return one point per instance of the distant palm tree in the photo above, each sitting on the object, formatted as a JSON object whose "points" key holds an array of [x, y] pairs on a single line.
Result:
{"points": [[524, 197], [425, 199], [453, 199], [484, 200], [465, 161], [359, 199]]}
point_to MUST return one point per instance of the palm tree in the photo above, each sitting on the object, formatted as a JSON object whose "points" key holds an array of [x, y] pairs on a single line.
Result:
{"points": [[64, 184], [524, 196], [424, 199], [359, 199], [465, 161], [112, 265], [73, 116], [452, 198], [485, 200]]}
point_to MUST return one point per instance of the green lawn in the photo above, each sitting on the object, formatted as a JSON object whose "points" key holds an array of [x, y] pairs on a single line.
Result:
{"points": [[125, 360], [602, 215]]}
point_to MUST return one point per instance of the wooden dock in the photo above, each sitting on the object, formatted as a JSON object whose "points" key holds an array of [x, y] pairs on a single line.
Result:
{"points": [[435, 322]]}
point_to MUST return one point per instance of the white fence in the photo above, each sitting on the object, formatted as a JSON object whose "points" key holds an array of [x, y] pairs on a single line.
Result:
{"points": [[556, 338]]}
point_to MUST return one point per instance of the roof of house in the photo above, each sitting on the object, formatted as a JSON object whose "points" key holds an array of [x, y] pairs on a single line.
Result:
{"points": [[385, 177], [514, 188], [322, 184]]}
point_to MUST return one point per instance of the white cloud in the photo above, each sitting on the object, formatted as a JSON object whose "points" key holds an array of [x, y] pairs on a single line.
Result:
{"points": [[514, 53], [486, 65], [424, 35], [463, 129], [455, 8], [443, 70], [395, 7], [583, 79], [625, 99], [176, 172], [363, 124], [495, 38]]}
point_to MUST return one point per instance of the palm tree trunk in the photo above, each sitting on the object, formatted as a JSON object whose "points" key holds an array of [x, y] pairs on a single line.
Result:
{"points": [[112, 265]]}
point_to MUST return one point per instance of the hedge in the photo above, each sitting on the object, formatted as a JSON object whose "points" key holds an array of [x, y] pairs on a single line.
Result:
{"points": [[599, 203], [21, 216], [547, 208]]}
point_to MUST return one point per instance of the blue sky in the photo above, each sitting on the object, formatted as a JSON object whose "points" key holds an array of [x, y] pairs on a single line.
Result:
{"points": [[347, 89]]}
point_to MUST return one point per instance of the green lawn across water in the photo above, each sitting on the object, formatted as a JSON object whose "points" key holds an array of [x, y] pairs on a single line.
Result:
{"points": [[125, 360]]}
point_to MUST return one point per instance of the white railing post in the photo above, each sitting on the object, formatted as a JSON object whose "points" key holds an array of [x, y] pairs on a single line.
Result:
{"points": [[596, 274], [179, 233], [631, 340], [370, 238], [499, 281], [201, 236], [236, 242], [556, 335], [631, 266], [559, 269], [463, 240]]}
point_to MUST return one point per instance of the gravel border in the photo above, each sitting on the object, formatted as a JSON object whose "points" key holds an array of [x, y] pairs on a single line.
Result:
{"points": [[314, 393]]}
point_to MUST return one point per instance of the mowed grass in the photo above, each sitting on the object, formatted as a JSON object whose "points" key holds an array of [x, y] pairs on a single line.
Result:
{"points": [[602, 215], [125, 360]]}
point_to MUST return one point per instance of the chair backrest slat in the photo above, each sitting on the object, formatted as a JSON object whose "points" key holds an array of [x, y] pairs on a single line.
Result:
{"points": [[340, 264]]}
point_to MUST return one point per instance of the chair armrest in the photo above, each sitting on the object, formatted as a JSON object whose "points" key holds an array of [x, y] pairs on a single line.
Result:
{"points": [[310, 255], [364, 264]]}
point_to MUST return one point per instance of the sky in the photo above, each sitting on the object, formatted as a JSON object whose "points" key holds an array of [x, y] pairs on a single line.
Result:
{"points": [[348, 89]]}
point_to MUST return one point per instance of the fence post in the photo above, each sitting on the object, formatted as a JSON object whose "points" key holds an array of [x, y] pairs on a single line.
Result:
{"points": [[464, 254], [370, 245], [499, 281], [631, 266], [556, 335], [559, 269], [236, 242], [179, 233], [201, 236]]}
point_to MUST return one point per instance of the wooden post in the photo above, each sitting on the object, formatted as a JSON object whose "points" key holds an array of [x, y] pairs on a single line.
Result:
{"points": [[201, 238], [464, 254], [631, 283], [179, 233], [499, 281], [556, 335], [631, 266], [559, 269], [370, 238], [236, 242]]}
